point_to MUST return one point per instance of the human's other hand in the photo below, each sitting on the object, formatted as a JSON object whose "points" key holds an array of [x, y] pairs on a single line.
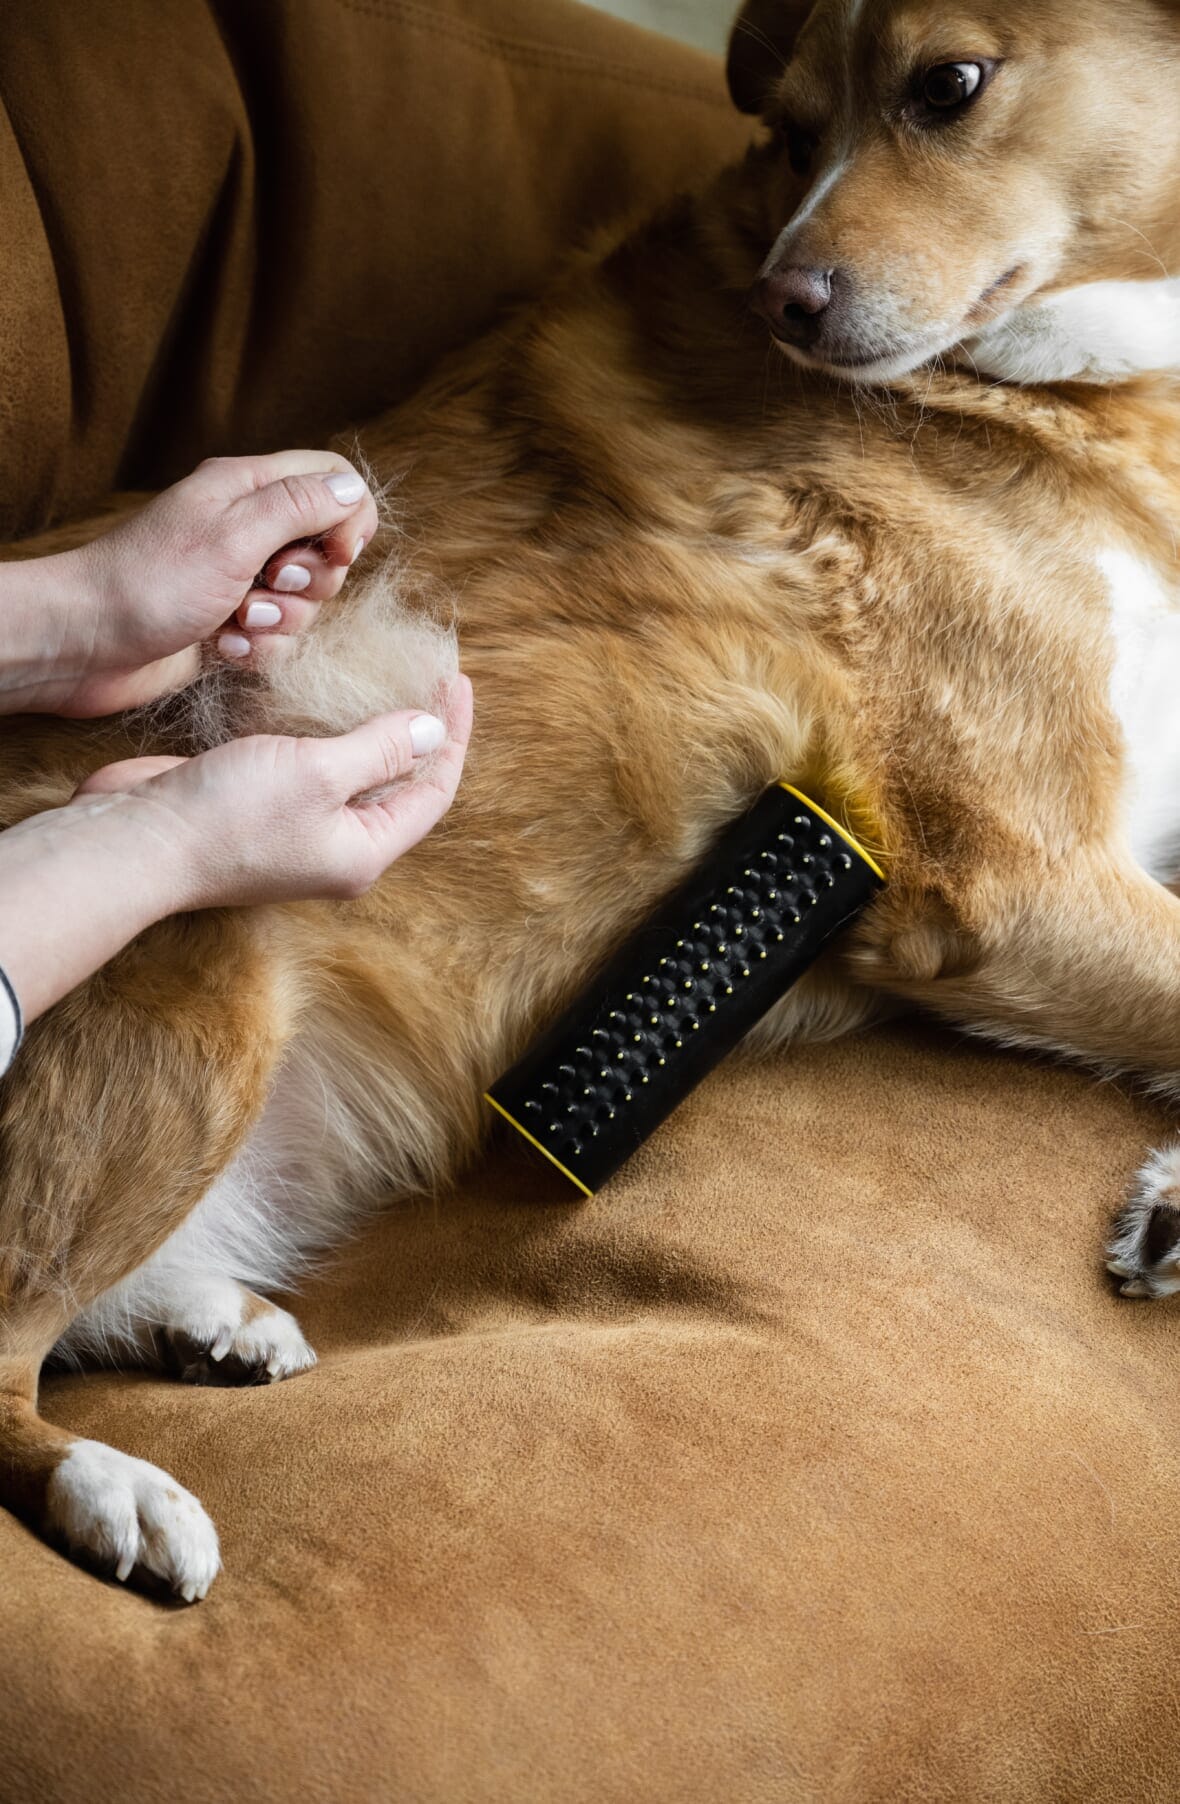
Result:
{"points": [[270, 819], [241, 553]]}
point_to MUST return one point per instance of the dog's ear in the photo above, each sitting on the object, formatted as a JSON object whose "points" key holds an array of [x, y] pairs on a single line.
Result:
{"points": [[760, 46]]}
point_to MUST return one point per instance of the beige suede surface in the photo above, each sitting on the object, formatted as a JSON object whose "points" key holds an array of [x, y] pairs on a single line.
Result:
{"points": [[811, 1461]]}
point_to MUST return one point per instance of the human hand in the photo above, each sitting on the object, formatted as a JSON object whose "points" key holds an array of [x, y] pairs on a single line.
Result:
{"points": [[271, 819], [242, 551]]}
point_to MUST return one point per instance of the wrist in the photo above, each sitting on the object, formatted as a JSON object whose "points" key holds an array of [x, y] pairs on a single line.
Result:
{"points": [[162, 851], [182, 832], [136, 849], [49, 628], [129, 869]]}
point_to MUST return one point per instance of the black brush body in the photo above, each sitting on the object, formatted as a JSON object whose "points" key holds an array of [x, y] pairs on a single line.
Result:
{"points": [[781, 883]]}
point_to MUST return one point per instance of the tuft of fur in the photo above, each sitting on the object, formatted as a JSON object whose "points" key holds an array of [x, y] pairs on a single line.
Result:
{"points": [[389, 643], [389, 647]]}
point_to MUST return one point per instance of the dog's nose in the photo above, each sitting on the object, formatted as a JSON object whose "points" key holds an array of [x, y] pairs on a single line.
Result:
{"points": [[794, 300]]}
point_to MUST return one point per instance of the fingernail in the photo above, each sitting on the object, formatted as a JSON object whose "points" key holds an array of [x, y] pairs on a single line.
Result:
{"points": [[233, 645], [263, 613], [427, 733], [360, 546], [346, 489], [291, 578]]}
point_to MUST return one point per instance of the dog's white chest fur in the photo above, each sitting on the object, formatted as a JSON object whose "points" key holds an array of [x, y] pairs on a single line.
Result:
{"points": [[1145, 692], [1103, 332]]}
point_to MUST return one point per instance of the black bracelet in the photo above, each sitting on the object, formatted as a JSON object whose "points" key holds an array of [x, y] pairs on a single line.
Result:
{"points": [[17, 1014]]}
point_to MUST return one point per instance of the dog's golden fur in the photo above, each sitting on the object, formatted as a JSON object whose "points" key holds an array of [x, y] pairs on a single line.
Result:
{"points": [[684, 567]]}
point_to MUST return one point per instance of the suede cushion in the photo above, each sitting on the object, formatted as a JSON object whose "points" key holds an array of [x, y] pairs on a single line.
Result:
{"points": [[813, 1460]]}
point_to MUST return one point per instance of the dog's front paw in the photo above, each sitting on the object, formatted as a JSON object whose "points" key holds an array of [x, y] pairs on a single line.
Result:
{"points": [[127, 1518], [228, 1336], [1144, 1247]]}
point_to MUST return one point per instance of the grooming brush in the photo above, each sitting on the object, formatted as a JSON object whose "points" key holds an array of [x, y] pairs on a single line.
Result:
{"points": [[778, 886]]}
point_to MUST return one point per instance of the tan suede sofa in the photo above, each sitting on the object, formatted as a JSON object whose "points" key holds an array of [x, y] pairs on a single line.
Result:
{"points": [[813, 1460]]}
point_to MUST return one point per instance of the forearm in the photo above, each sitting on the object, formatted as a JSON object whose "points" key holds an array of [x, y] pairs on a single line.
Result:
{"points": [[264, 819], [78, 883], [47, 622]]}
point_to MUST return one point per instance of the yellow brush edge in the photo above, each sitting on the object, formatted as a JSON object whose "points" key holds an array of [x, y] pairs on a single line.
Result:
{"points": [[842, 831], [541, 1149]]}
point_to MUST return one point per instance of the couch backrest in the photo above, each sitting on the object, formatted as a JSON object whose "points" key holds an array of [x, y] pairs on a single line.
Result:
{"points": [[239, 224]]}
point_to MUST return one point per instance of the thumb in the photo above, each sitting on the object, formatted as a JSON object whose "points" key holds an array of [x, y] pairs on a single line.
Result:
{"points": [[302, 505], [127, 774], [382, 750]]}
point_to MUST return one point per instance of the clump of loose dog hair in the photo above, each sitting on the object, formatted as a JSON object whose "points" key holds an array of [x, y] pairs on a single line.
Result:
{"points": [[391, 645]]}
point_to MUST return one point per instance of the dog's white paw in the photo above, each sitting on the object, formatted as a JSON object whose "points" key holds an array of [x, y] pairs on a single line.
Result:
{"points": [[122, 1514], [223, 1334], [1144, 1247]]}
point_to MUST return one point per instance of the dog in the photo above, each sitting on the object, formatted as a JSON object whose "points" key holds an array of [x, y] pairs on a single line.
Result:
{"points": [[860, 467]]}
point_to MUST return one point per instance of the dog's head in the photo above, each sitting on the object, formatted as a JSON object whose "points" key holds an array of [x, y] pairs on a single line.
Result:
{"points": [[938, 169]]}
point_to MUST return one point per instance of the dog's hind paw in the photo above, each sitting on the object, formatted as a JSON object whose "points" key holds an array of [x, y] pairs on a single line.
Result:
{"points": [[129, 1519], [229, 1336], [1144, 1248]]}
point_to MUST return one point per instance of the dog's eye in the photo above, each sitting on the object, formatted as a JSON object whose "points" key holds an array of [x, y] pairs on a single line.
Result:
{"points": [[801, 146], [951, 85]]}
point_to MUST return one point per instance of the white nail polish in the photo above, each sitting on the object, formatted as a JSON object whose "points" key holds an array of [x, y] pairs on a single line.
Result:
{"points": [[360, 546], [346, 489], [291, 578], [427, 733], [263, 613], [233, 645]]}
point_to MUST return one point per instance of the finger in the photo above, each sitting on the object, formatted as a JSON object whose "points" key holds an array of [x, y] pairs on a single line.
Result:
{"points": [[259, 652], [401, 820], [261, 647], [228, 478], [335, 509], [303, 570], [460, 712], [461, 709], [298, 572], [380, 751], [343, 546], [263, 613], [127, 774], [406, 815]]}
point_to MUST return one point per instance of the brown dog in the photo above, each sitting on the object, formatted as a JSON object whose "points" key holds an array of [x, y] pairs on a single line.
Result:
{"points": [[688, 565]]}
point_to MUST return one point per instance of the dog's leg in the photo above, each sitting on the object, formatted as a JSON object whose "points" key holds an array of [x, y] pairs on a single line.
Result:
{"points": [[1087, 964], [118, 1515], [1144, 1248], [201, 1326], [125, 1103], [187, 1309]]}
